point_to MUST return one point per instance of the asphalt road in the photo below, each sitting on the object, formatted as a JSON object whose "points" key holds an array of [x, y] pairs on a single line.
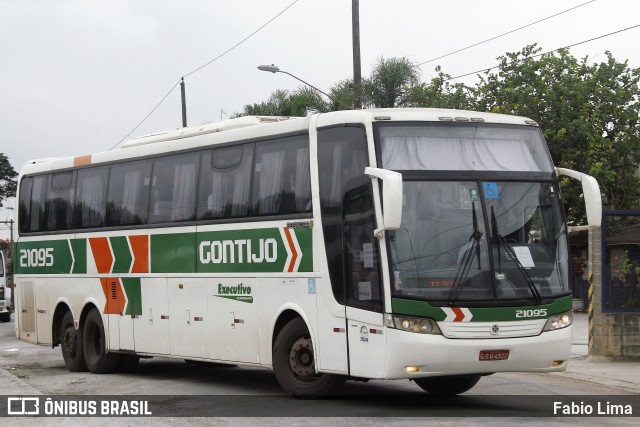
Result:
{"points": [[223, 395]]}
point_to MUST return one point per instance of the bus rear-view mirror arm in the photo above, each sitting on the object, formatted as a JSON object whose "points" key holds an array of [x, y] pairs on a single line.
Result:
{"points": [[592, 197], [391, 198]]}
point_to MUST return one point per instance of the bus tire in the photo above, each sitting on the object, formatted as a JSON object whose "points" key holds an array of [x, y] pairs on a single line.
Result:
{"points": [[448, 385], [294, 363], [71, 345], [98, 359]]}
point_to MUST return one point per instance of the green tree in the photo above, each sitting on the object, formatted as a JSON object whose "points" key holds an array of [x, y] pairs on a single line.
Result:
{"points": [[305, 99], [390, 83], [588, 113], [278, 104], [342, 95], [441, 93], [8, 181]]}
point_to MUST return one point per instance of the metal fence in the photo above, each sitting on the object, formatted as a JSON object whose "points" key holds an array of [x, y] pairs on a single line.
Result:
{"points": [[621, 261]]}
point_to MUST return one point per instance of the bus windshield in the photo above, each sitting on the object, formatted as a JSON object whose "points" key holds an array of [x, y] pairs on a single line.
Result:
{"points": [[463, 241], [469, 238]]}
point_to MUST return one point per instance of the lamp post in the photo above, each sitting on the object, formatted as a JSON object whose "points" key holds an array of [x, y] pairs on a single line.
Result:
{"points": [[274, 69]]}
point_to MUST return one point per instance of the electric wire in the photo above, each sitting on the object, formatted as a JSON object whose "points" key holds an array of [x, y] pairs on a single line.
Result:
{"points": [[200, 68], [550, 51], [504, 34]]}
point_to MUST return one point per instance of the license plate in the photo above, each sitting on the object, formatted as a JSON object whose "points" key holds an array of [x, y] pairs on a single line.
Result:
{"points": [[493, 355]]}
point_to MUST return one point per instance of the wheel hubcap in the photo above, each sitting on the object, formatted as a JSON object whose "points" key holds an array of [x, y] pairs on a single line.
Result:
{"points": [[301, 359]]}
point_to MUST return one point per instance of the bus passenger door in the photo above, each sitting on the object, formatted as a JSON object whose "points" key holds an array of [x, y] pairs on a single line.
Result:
{"points": [[363, 285]]}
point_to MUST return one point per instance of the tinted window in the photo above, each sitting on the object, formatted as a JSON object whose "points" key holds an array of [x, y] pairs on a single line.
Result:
{"points": [[91, 197], [173, 191], [225, 182], [59, 200], [128, 196], [24, 210], [342, 157], [282, 182]]}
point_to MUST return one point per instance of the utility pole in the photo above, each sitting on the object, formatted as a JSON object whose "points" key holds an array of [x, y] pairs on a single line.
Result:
{"points": [[184, 103], [357, 77]]}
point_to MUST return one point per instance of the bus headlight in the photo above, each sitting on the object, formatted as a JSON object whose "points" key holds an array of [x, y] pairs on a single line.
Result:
{"points": [[559, 321], [416, 324]]}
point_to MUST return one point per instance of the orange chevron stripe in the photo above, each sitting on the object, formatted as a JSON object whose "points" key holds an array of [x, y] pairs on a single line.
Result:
{"points": [[459, 314], [294, 256], [101, 254], [114, 295], [140, 249]]}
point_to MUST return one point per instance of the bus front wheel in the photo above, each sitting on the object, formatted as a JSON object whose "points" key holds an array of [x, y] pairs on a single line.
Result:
{"points": [[449, 385], [294, 363], [71, 345], [98, 360]]}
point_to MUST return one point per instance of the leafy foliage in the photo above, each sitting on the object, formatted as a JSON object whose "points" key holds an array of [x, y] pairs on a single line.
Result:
{"points": [[8, 181]]}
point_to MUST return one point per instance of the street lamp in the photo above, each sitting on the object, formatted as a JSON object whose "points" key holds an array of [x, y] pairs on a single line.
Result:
{"points": [[274, 69]]}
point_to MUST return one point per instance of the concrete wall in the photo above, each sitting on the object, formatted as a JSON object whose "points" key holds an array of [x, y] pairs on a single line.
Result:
{"points": [[610, 334]]}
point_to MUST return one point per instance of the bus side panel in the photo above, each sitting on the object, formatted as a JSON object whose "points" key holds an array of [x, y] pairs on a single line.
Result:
{"points": [[152, 328], [234, 332], [332, 333], [189, 321], [25, 299], [42, 311], [277, 295]]}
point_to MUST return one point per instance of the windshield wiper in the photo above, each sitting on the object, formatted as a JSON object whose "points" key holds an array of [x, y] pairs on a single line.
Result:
{"points": [[473, 245], [512, 257]]}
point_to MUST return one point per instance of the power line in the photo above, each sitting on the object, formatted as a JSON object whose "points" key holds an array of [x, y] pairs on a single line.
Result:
{"points": [[551, 51], [203, 66], [504, 34]]}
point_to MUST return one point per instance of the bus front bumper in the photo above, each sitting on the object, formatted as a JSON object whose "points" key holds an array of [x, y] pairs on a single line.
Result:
{"points": [[412, 355]]}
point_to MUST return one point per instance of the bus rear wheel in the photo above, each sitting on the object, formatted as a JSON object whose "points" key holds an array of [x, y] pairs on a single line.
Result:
{"points": [[294, 363], [71, 345], [98, 360], [449, 385]]}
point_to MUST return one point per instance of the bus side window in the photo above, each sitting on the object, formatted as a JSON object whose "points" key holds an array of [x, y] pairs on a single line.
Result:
{"points": [[225, 183], [91, 197], [173, 189], [282, 183], [128, 194], [59, 201], [24, 211]]}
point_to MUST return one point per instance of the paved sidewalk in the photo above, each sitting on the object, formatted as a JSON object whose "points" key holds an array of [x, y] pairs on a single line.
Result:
{"points": [[623, 375]]}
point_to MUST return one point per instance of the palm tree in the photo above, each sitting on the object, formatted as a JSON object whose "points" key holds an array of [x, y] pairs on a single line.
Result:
{"points": [[390, 82]]}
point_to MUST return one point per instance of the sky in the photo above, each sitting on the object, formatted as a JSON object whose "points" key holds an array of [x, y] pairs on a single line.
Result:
{"points": [[78, 76]]}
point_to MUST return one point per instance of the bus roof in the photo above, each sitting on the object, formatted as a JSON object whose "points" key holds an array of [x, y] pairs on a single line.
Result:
{"points": [[253, 127]]}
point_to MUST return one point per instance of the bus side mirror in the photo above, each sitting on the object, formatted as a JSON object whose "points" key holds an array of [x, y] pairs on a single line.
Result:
{"points": [[592, 196], [391, 198]]}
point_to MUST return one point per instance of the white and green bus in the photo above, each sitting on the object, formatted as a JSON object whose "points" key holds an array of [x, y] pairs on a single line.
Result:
{"points": [[417, 244]]}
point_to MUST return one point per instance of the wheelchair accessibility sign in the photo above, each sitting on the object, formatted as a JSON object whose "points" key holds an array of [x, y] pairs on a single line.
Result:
{"points": [[490, 190]]}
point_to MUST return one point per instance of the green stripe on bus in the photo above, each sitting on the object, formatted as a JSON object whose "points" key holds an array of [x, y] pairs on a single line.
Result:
{"points": [[492, 314], [79, 248], [134, 296], [122, 254], [173, 253], [305, 241]]}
